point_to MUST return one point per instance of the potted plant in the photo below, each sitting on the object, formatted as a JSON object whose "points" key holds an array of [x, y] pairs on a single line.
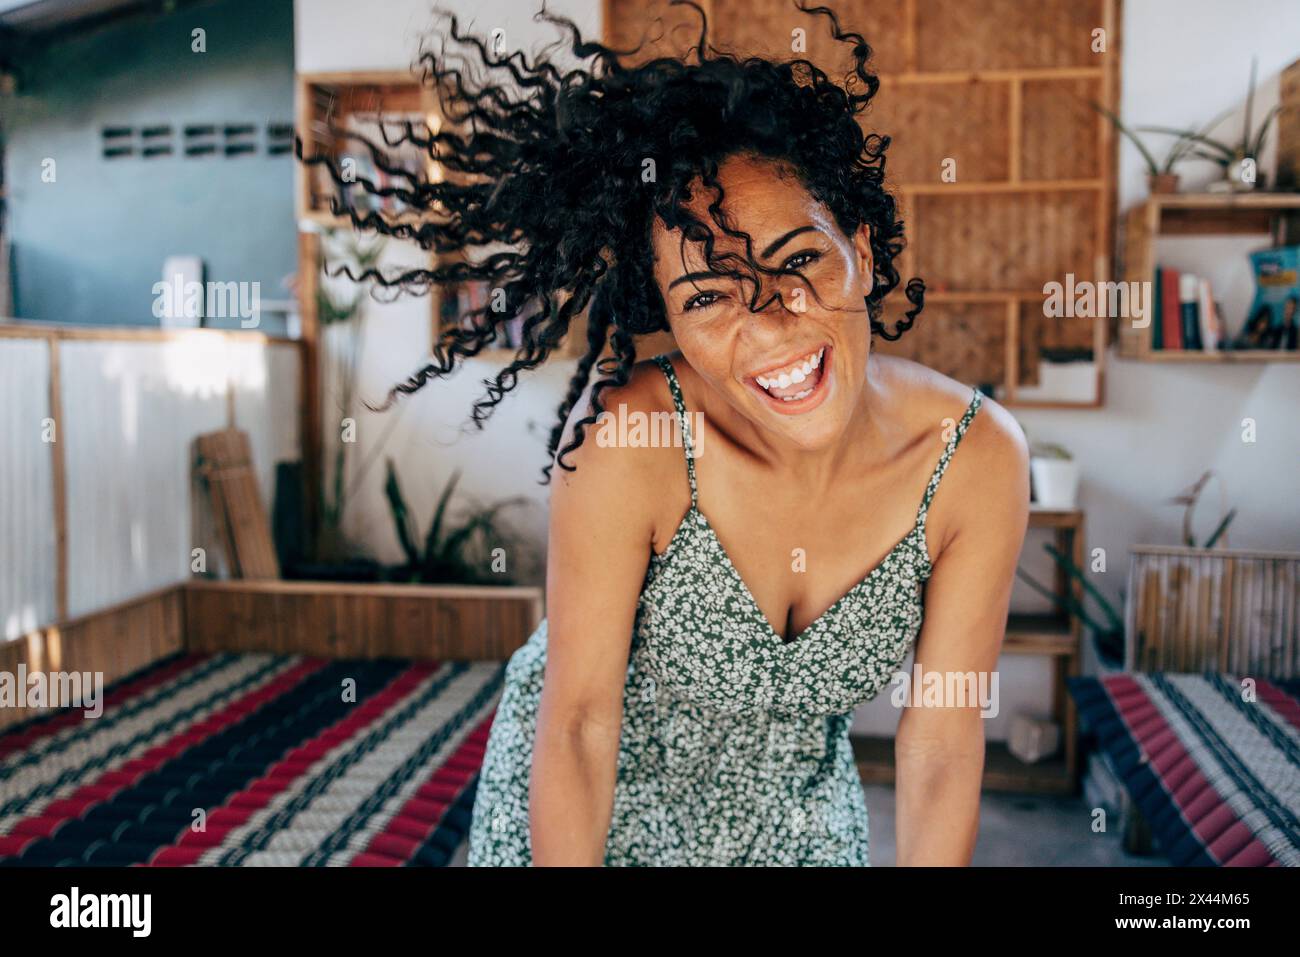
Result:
{"points": [[1055, 476], [1161, 177], [451, 553], [1239, 160]]}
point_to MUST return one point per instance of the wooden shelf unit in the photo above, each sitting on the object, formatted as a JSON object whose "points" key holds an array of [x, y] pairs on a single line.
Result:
{"points": [[1197, 214], [325, 101], [1051, 636]]}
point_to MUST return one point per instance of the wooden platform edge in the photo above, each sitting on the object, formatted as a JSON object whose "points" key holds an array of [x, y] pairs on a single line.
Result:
{"points": [[324, 619], [112, 642], [356, 620]]}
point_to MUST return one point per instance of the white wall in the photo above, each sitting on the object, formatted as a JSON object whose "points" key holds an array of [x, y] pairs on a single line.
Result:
{"points": [[1183, 62], [432, 437]]}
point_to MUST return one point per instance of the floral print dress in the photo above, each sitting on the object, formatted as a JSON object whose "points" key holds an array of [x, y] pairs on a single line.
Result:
{"points": [[735, 746]]}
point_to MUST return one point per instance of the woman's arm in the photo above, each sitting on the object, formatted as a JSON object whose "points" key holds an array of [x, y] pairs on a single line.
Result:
{"points": [[601, 529], [982, 507]]}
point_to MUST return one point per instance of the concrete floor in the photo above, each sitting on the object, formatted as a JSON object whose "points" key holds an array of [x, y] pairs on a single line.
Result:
{"points": [[1018, 830]]}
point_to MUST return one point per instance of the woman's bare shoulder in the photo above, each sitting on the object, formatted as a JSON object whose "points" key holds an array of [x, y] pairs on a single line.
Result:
{"points": [[930, 399], [987, 479], [622, 448]]}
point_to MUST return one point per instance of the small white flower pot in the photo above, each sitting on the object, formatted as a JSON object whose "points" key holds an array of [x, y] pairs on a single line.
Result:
{"points": [[1056, 482]]}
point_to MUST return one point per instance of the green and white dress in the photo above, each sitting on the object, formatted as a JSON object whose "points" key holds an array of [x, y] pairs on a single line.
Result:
{"points": [[735, 743]]}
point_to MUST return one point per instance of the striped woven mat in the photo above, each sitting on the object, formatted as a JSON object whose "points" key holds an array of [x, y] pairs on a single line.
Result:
{"points": [[1212, 763], [244, 760]]}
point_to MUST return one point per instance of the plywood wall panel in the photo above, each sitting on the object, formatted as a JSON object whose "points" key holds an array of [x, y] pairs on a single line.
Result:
{"points": [[929, 124], [767, 28], [1005, 34], [962, 340], [1057, 119], [655, 29], [1013, 241]]}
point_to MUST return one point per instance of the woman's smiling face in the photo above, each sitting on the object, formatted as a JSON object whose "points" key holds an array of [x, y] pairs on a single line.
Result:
{"points": [[792, 359]]}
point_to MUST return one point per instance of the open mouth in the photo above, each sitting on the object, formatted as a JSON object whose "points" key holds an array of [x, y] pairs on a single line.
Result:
{"points": [[795, 386]]}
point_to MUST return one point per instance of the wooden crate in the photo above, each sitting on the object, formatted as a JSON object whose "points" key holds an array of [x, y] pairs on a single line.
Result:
{"points": [[1188, 214]]}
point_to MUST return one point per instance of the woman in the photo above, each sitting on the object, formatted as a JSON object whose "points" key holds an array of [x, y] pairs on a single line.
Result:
{"points": [[717, 605]]}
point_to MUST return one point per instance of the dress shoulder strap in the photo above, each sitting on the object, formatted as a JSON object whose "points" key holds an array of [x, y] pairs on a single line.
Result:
{"points": [[683, 421], [948, 451]]}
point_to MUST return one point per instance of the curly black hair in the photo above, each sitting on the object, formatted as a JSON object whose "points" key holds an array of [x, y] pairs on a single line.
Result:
{"points": [[543, 191]]}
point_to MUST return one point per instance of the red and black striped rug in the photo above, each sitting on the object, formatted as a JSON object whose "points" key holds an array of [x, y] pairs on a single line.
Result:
{"points": [[245, 760], [1212, 762]]}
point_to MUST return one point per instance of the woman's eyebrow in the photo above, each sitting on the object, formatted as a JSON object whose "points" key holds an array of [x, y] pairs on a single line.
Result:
{"points": [[693, 277], [772, 247], [782, 240]]}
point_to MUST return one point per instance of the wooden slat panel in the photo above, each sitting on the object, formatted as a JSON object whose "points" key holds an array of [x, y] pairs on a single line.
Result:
{"points": [[361, 621], [224, 462], [113, 642], [1226, 610]]}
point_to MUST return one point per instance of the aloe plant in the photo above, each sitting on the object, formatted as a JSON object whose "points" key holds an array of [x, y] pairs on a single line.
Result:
{"points": [[458, 554], [1183, 146], [1217, 151], [1108, 631]]}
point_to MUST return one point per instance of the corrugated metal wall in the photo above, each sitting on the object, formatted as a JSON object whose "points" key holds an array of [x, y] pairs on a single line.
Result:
{"points": [[27, 546], [130, 411]]}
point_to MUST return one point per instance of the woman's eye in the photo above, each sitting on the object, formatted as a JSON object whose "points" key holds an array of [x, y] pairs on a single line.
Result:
{"points": [[700, 300], [799, 260]]}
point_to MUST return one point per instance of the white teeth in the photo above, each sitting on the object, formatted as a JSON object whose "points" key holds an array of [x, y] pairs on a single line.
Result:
{"points": [[794, 376]]}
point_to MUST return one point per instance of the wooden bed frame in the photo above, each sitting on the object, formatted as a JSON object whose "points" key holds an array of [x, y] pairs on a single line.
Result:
{"points": [[320, 619]]}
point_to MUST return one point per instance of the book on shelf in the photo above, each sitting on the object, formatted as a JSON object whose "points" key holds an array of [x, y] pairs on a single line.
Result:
{"points": [[467, 305], [1211, 324], [1189, 292], [1185, 316], [1170, 315]]}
